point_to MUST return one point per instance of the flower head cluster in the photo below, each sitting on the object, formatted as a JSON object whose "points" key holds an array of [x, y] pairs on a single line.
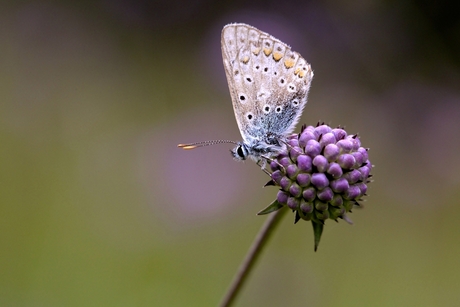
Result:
{"points": [[322, 174]]}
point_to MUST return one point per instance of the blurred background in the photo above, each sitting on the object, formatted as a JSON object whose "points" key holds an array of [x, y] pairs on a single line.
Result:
{"points": [[100, 208]]}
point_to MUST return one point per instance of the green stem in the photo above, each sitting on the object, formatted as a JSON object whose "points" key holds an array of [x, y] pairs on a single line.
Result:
{"points": [[251, 257]]}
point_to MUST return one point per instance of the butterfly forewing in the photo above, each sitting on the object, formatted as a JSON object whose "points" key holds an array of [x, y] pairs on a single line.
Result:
{"points": [[268, 82]]}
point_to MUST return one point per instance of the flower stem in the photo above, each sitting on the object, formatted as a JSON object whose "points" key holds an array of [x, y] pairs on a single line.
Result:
{"points": [[251, 257]]}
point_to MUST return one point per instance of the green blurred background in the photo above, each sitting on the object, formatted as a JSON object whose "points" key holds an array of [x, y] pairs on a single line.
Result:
{"points": [[100, 208]]}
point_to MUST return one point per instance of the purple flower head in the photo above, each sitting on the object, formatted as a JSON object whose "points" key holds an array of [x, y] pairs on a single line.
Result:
{"points": [[322, 174]]}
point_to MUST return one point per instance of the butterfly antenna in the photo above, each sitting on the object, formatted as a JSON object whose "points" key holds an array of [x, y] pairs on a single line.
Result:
{"points": [[205, 143]]}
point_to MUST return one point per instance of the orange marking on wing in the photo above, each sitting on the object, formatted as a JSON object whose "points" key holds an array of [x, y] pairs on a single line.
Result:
{"points": [[289, 62], [277, 56]]}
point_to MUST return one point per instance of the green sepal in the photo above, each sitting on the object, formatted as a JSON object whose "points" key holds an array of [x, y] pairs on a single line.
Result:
{"points": [[317, 231], [274, 206], [296, 217]]}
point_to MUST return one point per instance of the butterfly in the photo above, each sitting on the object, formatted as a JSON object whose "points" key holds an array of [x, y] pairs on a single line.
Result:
{"points": [[268, 84]]}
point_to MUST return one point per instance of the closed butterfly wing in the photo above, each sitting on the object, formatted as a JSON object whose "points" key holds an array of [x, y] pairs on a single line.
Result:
{"points": [[268, 82]]}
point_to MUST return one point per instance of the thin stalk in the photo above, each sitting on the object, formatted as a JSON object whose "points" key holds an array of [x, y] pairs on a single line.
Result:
{"points": [[251, 257]]}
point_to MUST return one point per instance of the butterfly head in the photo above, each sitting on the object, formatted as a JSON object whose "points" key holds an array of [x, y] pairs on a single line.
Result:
{"points": [[257, 149], [240, 152]]}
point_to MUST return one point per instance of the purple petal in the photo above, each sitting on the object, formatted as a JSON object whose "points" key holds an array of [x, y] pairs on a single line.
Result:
{"points": [[274, 165], [282, 197], [345, 145], [309, 194], [326, 139], [340, 185], [319, 180], [331, 152], [363, 151], [352, 192], [303, 179], [356, 142], [359, 159], [304, 163], [292, 171], [322, 130], [294, 152], [346, 161], [353, 176], [312, 148], [306, 207], [321, 163], [276, 176], [293, 203], [305, 137], [365, 170], [310, 129], [335, 170], [295, 190], [325, 195], [285, 161], [285, 183], [339, 133], [362, 187], [294, 142]]}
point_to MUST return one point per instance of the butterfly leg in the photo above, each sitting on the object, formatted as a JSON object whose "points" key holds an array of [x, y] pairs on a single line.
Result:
{"points": [[263, 163], [271, 160], [290, 146]]}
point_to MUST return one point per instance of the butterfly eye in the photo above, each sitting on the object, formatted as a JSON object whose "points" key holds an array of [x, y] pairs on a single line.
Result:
{"points": [[240, 152]]}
